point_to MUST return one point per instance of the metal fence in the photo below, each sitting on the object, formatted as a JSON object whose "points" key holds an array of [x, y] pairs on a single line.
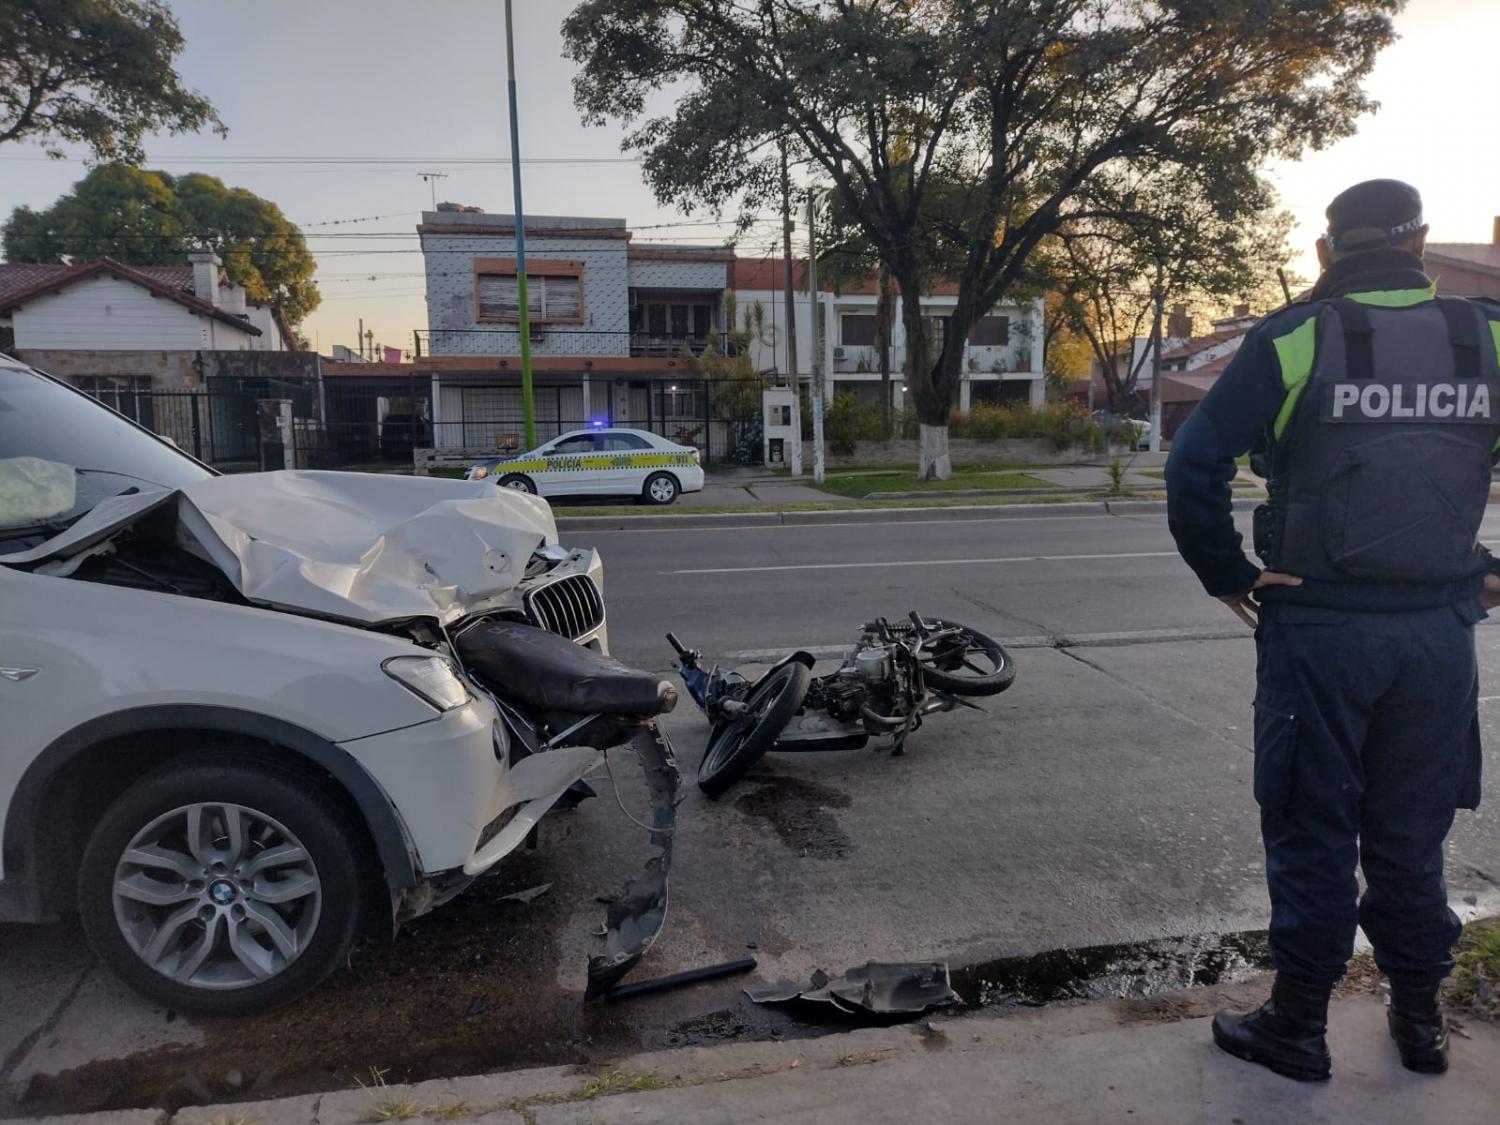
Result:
{"points": [[475, 418], [215, 425], [377, 422]]}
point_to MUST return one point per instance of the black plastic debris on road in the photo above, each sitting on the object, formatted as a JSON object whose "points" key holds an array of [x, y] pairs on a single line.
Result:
{"points": [[873, 989], [636, 917]]}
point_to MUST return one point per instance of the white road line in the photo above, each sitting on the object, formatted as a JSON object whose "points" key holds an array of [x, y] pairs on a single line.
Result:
{"points": [[923, 562], [561, 514]]}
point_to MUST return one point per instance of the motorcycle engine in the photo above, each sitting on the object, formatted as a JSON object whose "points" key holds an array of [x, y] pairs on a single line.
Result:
{"points": [[844, 694], [864, 680]]}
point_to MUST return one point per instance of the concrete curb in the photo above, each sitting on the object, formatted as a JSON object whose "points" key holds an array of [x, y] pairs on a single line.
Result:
{"points": [[733, 520], [1066, 1066]]}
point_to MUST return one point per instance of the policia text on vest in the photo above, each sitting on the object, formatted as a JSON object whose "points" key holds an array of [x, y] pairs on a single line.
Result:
{"points": [[1445, 402], [1382, 470]]}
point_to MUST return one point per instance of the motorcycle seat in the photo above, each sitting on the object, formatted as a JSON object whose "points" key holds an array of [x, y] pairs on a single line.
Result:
{"points": [[551, 673]]}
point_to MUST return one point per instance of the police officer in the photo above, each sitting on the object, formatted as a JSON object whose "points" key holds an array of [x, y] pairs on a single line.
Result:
{"points": [[1372, 408]]}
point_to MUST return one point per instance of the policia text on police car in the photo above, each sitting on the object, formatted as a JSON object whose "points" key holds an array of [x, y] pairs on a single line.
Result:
{"points": [[1372, 408]]}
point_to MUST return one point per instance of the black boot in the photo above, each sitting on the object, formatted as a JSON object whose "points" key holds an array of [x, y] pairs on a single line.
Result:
{"points": [[1418, 1027], [1286, 1033]]}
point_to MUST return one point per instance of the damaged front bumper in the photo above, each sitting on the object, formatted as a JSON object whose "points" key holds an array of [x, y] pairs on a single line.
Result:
{"points": [[532, 787], [636, 917]]}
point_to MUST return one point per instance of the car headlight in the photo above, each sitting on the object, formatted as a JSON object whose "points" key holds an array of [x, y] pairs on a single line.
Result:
{"points": [[430, 677], [479, 472]]}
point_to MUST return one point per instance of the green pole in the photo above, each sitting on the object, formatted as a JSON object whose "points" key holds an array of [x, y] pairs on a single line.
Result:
{"points": [[528, 405]]}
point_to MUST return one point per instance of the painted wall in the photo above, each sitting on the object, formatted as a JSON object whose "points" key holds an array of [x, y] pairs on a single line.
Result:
{"points": [[105, 313], [1021, 357]]}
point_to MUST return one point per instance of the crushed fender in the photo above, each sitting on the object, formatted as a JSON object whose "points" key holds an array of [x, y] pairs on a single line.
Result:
{"points": [[873, 989], [636, 917]]}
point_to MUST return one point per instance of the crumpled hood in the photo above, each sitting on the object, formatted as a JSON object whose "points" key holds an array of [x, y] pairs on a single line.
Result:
{"points": [[359, 547]]}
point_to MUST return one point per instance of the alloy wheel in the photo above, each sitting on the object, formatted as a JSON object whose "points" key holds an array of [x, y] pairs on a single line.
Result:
{"points": [[217, 896]]}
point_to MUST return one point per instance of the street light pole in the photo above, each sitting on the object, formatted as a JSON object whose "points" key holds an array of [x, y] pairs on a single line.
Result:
{"points": [[817, 337], [528, 406], [1156, 378], [794, 451]]}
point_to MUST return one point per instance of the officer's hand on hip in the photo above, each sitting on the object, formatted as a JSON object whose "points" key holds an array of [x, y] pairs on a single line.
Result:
{"points": [[1490, 597], [1246, 608]]}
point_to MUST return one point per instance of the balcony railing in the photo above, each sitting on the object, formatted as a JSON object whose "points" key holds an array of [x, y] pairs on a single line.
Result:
{"points": [[653, 344]]}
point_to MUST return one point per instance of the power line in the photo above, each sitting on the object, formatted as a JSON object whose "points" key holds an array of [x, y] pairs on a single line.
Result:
{"points": [[346, 161], [363, 219]]}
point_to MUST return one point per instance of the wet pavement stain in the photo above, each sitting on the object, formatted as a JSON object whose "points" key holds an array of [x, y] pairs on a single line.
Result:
{"points": [[1100, 972], [798, 812]]}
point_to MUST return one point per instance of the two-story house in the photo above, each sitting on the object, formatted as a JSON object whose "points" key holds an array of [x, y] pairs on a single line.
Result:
{"points": [[609, 318], [1002, 355]]}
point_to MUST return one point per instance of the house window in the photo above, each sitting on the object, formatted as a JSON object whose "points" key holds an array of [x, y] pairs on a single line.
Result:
{"points": [[677, 320], [554, 298], [857, 329], [990, 332]]}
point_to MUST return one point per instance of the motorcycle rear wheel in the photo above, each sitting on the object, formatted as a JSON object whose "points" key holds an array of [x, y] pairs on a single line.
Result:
{"points": [[735, 745], [966, 663]]}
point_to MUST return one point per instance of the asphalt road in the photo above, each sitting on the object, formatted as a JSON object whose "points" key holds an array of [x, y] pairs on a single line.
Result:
{"points": [[1104, 800], [739, 590]]}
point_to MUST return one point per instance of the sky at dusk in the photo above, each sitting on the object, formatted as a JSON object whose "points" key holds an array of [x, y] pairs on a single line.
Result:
{"points": [[334, 109]]}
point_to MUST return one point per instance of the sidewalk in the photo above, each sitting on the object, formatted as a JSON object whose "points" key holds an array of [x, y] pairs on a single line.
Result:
{"points": [[1065, 1066]]}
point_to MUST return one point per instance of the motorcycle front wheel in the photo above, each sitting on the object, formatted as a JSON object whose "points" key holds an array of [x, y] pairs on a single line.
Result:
{"points": [[963, 661], [735, 745]]}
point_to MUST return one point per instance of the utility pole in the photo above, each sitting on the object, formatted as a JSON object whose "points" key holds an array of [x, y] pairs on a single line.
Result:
{"points": [[361, 337], [817, 337], [1156, 376], [432, 178], [794, 454], [528, 406]]}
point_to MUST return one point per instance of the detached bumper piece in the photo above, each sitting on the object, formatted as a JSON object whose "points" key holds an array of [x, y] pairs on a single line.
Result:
{"points": [[637, 916], [873, 990]]}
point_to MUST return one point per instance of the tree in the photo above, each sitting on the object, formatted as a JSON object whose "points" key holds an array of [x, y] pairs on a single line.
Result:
{"points": [[1065, 353], [1185, 240], [1003, 114], [94, 72], [146, 218]]}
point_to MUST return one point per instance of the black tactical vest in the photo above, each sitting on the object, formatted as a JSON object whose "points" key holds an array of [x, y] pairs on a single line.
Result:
{"points": [[1383, 473]]}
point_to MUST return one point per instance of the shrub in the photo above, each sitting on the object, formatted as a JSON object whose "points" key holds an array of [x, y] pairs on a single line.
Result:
{"points": [[848, 420], [1064, 424]]}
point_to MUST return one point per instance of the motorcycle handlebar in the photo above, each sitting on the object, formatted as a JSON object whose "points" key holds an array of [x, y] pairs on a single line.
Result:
{"points": [[677, 645]]}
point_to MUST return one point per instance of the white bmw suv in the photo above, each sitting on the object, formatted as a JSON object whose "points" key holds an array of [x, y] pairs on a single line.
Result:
{"points": [[236, 734]]}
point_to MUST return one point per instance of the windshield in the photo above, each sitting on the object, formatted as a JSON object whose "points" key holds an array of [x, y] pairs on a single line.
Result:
{"points": [[61, 453]]}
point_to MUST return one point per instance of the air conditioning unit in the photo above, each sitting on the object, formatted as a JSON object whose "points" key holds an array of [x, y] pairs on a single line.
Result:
{"points": [[838, 353]]}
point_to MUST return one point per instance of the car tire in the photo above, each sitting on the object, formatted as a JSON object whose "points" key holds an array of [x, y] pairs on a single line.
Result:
{"points": [[519, 482], [660, 489], [178, 896]]}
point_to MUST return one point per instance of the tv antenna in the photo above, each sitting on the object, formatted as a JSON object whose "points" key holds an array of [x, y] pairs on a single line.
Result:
{"points": [[432, 178]]}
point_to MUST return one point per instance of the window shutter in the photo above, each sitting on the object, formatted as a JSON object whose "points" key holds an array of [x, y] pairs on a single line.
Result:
{"points": [[499, 296], [562, 298]]}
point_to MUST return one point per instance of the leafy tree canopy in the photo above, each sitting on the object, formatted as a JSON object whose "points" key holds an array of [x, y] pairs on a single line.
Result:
{"points": [[147, 218], [94, 72], [1173, 239], [963, 134]]}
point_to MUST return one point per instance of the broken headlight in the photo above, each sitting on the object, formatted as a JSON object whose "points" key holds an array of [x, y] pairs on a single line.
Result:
{"points": [[430, 677]]}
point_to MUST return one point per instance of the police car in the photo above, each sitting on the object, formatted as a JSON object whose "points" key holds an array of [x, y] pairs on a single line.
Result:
{"points": [[600, 462]]}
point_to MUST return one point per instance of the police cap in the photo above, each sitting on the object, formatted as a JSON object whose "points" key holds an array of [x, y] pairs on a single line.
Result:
{"points": [[1373, 214]]}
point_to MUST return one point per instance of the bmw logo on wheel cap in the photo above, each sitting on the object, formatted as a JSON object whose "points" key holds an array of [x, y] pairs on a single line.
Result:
{"points": [[222, 892]]}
